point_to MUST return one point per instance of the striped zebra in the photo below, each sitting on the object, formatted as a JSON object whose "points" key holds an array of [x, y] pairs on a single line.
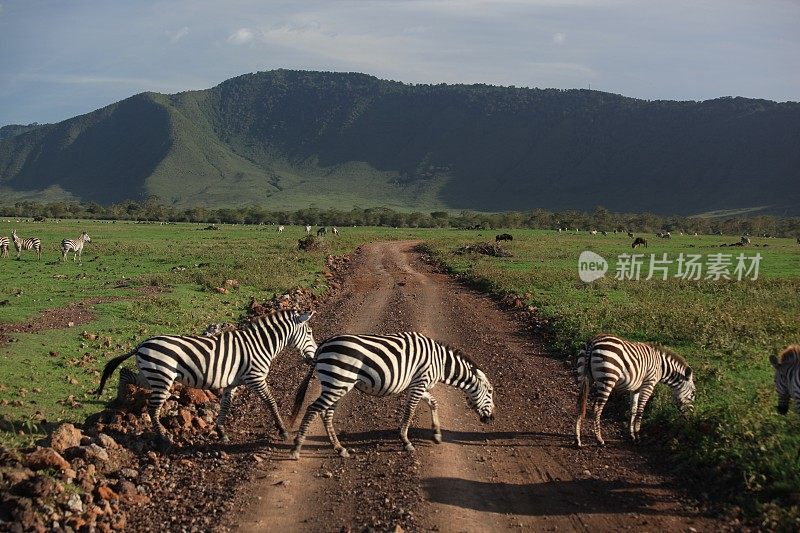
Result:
{"points": [[226, 360], [610, 363], [74, 245], [787, 377], [3, 246], [387, 364], [31, 243]]}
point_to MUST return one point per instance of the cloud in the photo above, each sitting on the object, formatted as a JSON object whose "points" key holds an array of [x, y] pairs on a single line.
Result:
{"points": [[559, 38], [177, 35], [241, 36]]}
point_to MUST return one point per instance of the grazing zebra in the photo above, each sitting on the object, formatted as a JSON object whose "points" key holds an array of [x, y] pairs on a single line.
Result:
{"points": [[322, 231], [335, 231], [639, 241], [504, 237], [610, 363], [3, 246], [630, 234], [31, 243], [281, 228], [225, 360], [593, 232], [308, 230], [74, 245], [787, 377], [744, 241], [387, 364]]}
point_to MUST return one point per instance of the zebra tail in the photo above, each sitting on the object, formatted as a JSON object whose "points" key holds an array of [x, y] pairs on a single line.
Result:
{"points": [[109, 369], [583, 396], [300, 396]]}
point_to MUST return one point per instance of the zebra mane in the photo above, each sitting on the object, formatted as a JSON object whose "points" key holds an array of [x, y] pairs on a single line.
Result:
{"points": [[790, 355], [671, 354], [461, 355]]}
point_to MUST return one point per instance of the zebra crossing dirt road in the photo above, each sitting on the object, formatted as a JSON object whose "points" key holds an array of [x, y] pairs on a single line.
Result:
{"points": [[520, 472]]}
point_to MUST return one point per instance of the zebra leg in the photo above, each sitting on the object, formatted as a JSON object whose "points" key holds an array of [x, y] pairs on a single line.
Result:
{"points": [[437, 429], [603, 393], [129, 377], [415, 394], [645, 391], [634, 407], [327, 418], [224, 405], [154, 403], [262, 389], [327, 400]]}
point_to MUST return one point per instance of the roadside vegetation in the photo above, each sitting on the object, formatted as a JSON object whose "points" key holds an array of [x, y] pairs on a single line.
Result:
{"points": [[735, 447]]}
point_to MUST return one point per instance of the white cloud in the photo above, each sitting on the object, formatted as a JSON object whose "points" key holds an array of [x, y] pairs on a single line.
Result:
{"points": [[177, 35], [241, 36], [559, 38]]}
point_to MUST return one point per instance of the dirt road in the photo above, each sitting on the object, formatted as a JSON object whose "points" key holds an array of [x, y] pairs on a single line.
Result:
{"points": [[522, 471]]}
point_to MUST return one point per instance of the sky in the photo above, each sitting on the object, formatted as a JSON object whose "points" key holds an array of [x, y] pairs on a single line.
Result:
{"points": [[59, 59]]}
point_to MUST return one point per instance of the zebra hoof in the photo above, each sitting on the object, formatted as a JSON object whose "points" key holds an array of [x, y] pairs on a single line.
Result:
{"points": [[578, 444], [410, 447], [294, 455], [223, 437], [344, 453], [437, 438]]}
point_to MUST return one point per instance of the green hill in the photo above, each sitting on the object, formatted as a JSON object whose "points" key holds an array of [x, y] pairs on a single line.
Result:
{"points": [[289, 139]]}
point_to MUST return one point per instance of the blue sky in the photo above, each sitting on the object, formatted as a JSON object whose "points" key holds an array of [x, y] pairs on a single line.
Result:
{"points": [[59, 59]]}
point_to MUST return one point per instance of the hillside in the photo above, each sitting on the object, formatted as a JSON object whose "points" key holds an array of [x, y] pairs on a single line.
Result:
{"points": [[289, 139]]}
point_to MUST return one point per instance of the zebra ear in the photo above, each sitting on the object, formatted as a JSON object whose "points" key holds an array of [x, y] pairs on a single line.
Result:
{"points": [[774, 361], [688, 372], [305, 316]]}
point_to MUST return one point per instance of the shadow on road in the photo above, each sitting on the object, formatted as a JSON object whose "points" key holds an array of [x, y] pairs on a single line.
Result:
{"points": [[546, 498]]}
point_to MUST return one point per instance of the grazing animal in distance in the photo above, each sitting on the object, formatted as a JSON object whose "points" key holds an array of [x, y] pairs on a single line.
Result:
{"points": [[787, 377], [381, 365], [3, 246], [281, 228], [74, 245], [593, 232], [31, 243], [504, 237], [609, 363], [322, 231], [226, 360], [638, 241], [744, 241], [630, 234], [335, 231], [308, 230], [605, 233]]}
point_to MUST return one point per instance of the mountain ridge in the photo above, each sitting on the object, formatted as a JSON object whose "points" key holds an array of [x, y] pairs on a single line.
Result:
{"points": [[289, 139]]}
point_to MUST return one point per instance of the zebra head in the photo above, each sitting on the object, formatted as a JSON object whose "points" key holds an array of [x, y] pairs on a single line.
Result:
{"points": [[480, 396], [301, 336], [781, 384], [85, 237], [683, 392]]}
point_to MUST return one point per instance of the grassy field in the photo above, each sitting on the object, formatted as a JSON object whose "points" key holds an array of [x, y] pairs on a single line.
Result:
{"points": [[139, 280], [726, 329], [144, 280]]}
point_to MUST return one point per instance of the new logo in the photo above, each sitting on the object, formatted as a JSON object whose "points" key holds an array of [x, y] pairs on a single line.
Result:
{"points": [[591, 266]]}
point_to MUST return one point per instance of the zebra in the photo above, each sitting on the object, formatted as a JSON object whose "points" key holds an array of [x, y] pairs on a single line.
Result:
{"points": [[630, 234], [610, 363], [3, 246], [74, 245], [31, 243], [787, 377], [381, 365], [308, 230], [638, 241], [225, 360], [281, 228], [335, 231], [322, 231]]}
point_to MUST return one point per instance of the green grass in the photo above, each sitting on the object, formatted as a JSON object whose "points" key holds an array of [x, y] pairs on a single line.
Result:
{"points": [[123, 269], [726, 329]]}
